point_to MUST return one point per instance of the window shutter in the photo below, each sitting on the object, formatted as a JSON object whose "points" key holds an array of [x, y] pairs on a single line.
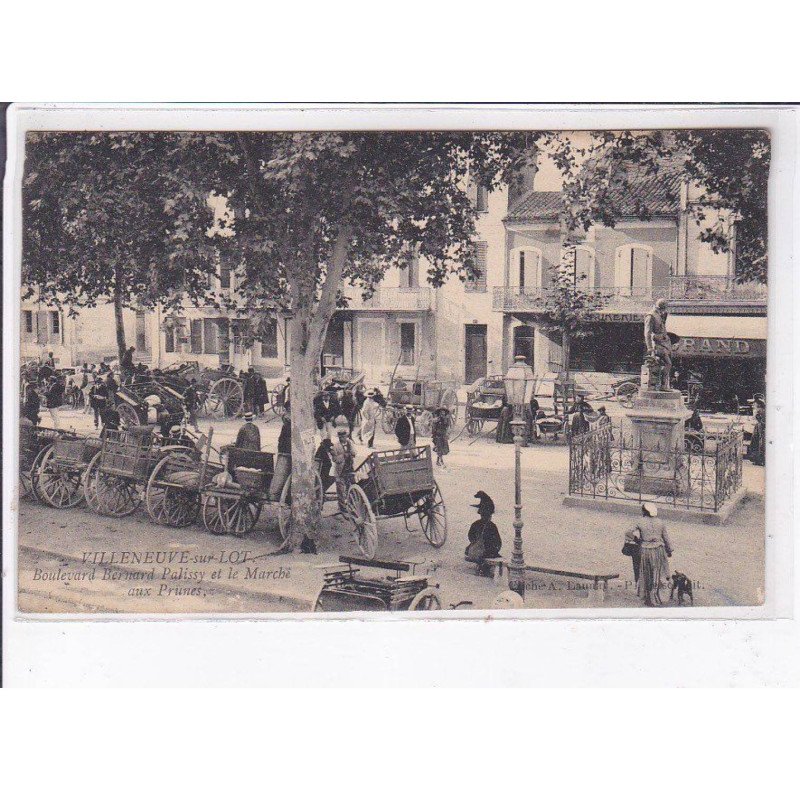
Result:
{"points": [[196, 336]]}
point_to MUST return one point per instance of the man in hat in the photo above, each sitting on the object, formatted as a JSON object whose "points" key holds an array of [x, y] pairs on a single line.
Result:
{"points": [[343, 456], [405, 429], [191, 402], [483, 535], [369, 419], [248, 437], [326, 409], [98, 399]]}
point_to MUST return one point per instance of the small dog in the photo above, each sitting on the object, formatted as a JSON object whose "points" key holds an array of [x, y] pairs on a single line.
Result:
{"points": [[683, 586]]}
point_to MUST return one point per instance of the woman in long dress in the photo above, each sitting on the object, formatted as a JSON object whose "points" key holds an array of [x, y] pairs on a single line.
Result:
{"points": [[654, 550]]}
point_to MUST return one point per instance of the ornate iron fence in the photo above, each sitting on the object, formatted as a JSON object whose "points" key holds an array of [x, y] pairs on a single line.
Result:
{"points": [[700, 472]]}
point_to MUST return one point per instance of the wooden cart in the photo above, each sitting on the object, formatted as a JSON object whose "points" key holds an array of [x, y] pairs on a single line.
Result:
{"points": [[133, 410], [60, 470], [235, 508], [396, 483], [116, 479], [425, 396], [34, 442], [484, 403], [346, 589], [174, 488]]}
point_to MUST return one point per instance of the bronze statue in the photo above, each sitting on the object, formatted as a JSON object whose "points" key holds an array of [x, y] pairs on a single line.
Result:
{"points": [[657, 341]]}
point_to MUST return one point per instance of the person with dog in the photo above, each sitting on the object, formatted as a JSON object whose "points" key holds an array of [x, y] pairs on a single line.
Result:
{"points": [[650, 535]]}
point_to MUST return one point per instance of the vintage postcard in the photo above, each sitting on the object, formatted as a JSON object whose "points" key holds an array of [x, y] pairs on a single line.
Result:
{"points": [[280, 370]]}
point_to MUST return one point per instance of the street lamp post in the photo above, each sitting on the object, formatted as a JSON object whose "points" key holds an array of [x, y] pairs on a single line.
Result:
{"points": [[519, 382]]}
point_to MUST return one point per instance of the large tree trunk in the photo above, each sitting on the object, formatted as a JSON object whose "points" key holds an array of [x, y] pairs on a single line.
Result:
{"points": [[119, 322], [304, 364], [308, 327]]}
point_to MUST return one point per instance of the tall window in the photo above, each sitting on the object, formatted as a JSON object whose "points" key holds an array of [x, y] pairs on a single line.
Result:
{"points": [[408, 343], [27, 318], [481, 257], [529, 268], [269, 339], [210, 337], [583, 261], [633, 270], [169, 340], [482, 199], [196, 336], [409, 275], [224, 277], [55, 322], [141, 331]]}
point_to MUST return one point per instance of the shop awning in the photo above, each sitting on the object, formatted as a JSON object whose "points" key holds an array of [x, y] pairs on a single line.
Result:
{"points": [[719, 337], [717, 327]]}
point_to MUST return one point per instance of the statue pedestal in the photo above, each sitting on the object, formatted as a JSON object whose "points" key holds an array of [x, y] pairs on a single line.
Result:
{"points": [[657, 419]]}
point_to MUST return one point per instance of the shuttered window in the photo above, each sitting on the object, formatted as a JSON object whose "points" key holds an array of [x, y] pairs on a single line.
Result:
{"points": [[478, 284], [269, 339], [196, 338], [482, 199], [27, 318], [210, 337]]}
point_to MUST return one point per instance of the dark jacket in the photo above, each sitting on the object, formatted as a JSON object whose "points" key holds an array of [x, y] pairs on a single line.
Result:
{"points": [[249, 437], [323, 414], [402, 430], [348, 406], [491, 537], [190, 398], [98, 395]]}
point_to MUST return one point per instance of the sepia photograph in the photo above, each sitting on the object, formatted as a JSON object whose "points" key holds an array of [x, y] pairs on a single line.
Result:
{"points": [[345, 371]]}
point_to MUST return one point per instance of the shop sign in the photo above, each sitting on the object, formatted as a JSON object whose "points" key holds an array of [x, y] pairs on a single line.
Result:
{"points": [[611, 317], [721, 348]]}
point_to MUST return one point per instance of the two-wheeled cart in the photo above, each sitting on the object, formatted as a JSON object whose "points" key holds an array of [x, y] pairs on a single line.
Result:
{"points": [[392, 484], [484, 403], [34, 442]]}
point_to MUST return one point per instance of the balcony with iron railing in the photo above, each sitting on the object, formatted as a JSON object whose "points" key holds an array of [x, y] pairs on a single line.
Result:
{"points": [[391, 298], [684, 292], [691, 292], [623, 299]]}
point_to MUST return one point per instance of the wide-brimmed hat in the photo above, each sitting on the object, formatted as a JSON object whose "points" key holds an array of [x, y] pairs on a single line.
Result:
{"points": [[650, 508], [249, 416], [342, 429], [370, 393]]}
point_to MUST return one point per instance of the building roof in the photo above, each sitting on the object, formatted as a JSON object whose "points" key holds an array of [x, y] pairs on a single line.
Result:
{"points": [[650, 195]]}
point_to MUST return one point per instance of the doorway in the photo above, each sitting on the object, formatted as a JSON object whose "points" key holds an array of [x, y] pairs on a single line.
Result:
{"points": [[475, 353], [523, 343]]}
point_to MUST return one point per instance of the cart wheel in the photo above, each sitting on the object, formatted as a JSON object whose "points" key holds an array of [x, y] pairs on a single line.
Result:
{"points": [[424, 423], [169, 504], [276, 398], [34, 473], [450, 402], [225, 398], [128, 415], [388, 419], [117, 497], [433, 517], [234, 515], [90, 477], [626, 393], [364, 522], [474, 426], [58, 487], [285, 506], [426, 600]]}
